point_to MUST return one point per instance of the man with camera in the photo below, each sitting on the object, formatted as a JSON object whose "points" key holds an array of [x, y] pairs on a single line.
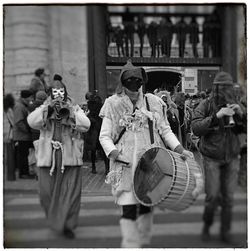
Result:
{"points": [[218, 120]]}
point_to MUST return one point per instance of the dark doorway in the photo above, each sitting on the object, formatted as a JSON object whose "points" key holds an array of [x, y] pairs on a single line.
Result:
{"points": [[166, 80]]}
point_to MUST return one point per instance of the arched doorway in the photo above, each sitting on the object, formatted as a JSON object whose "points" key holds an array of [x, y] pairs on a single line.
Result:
{"points": [[165, 79]]}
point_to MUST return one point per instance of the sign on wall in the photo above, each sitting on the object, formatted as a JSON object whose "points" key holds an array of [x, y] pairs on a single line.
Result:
{"points": [[190, 84]]}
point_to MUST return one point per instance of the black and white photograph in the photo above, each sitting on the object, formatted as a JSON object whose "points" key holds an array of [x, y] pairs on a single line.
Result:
{"points": [[124, 125]]}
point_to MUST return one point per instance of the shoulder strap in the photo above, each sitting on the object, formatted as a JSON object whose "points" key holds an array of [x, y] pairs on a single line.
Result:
{"points": [[150, 124], [120, 135]]}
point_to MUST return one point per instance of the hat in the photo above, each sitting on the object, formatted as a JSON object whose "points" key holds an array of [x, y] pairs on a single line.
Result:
{"points": [[26, 93], [57, 77], [223, 78], [41, 96], [129, 70], [39, 71]]}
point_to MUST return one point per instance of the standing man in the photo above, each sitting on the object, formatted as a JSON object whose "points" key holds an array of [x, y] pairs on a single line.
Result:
{"points": [[129, 30], [141, 31], [194, 35], [22, 133], [38, 82], [218, 120], [181, 29]]}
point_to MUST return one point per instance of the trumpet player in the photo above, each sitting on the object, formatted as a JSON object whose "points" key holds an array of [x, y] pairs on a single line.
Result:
{"points": [[217, 121], [59, 157]]}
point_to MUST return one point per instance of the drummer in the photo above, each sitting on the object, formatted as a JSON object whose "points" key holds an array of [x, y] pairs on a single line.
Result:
{"points": [[132, 124]]}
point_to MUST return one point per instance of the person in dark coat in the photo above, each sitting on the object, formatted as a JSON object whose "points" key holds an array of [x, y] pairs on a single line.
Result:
{"points": [[152, 37], [9, 147], [119, 40], [91, 138], [206, 36], [22, 133], [38, 82], [194, 36], [40, 97], [217, 121], [141, 31], [181, 28], [129, 30]]}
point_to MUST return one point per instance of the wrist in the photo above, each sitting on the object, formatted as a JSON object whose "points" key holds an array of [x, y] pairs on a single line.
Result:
{"points": [[114, 154], [179, 149]]}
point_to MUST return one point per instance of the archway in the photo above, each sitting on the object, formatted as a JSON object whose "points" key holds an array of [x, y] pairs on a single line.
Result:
{"points": [[160, 78]]}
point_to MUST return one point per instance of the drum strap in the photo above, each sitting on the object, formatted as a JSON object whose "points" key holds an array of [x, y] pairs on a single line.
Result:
{"points": [[120, 135], [122, 131], [151, 130], [150, 124]]}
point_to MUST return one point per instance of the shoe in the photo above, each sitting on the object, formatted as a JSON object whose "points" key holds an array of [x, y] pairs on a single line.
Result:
{"points": [[94, 171], [68, 233], [228, 238], [26, 176], [205, 235]]}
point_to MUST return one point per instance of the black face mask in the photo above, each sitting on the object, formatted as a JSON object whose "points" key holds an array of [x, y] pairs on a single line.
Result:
{"points": [[224, 95], [133, 84]]}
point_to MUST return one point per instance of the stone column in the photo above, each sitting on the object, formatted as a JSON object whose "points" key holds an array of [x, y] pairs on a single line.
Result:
{"points": [[97, 49], [229, 40], [25, 45]]}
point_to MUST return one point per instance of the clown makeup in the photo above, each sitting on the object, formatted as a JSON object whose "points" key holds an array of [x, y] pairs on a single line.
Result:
{"points": [[133, 84], [58, 93]]}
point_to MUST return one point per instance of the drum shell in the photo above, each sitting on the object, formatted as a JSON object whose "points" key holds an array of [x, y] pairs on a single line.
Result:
{"points": [[174, 193]]}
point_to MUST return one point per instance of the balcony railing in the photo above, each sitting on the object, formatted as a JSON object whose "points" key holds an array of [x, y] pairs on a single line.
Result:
{"points": [[164, 38]]}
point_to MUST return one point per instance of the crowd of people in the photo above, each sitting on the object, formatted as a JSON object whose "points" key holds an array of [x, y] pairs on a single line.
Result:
{"points": [[45, 122], [160, 35]]}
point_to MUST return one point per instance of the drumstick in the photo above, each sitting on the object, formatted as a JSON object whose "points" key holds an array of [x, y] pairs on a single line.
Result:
{"points": [[122, 161]]}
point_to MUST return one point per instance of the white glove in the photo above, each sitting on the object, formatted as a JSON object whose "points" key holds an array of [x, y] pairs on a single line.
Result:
{"points": [[225, 111], [199, 184], [187, 154], [237, 109]]}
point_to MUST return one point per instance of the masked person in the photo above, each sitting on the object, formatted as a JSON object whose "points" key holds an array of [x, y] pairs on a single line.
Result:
{"points": [[125, 136], [217, 120], [59, 157]]}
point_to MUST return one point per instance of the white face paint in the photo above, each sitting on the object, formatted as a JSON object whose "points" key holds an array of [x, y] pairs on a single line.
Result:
{"points": [[58, 93]]}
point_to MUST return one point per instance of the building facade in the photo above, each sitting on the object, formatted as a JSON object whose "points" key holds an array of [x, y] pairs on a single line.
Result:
{"points": [[78, 42]]}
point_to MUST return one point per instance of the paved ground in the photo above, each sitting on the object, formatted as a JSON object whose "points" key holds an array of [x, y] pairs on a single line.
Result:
{"points": [[25, 225], [93, 184]]}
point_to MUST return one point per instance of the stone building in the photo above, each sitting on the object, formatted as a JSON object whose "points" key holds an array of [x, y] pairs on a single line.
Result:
{"points": [[53, 37], [71, 40]]}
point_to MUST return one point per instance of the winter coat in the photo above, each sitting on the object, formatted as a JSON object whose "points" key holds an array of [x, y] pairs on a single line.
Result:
{"points": [[72, 142], [21, 129], [217, 141], [38, 85], [8, 123], [91, 138]]}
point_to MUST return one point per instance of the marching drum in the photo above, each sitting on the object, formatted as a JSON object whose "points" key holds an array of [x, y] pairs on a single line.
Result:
{"points": [[164, 179]]}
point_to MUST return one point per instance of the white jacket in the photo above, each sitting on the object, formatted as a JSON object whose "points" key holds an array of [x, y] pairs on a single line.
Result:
{"points": [[116, 113]]}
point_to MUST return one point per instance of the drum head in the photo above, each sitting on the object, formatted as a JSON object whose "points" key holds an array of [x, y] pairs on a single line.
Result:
{"points": [[153, 176]]}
